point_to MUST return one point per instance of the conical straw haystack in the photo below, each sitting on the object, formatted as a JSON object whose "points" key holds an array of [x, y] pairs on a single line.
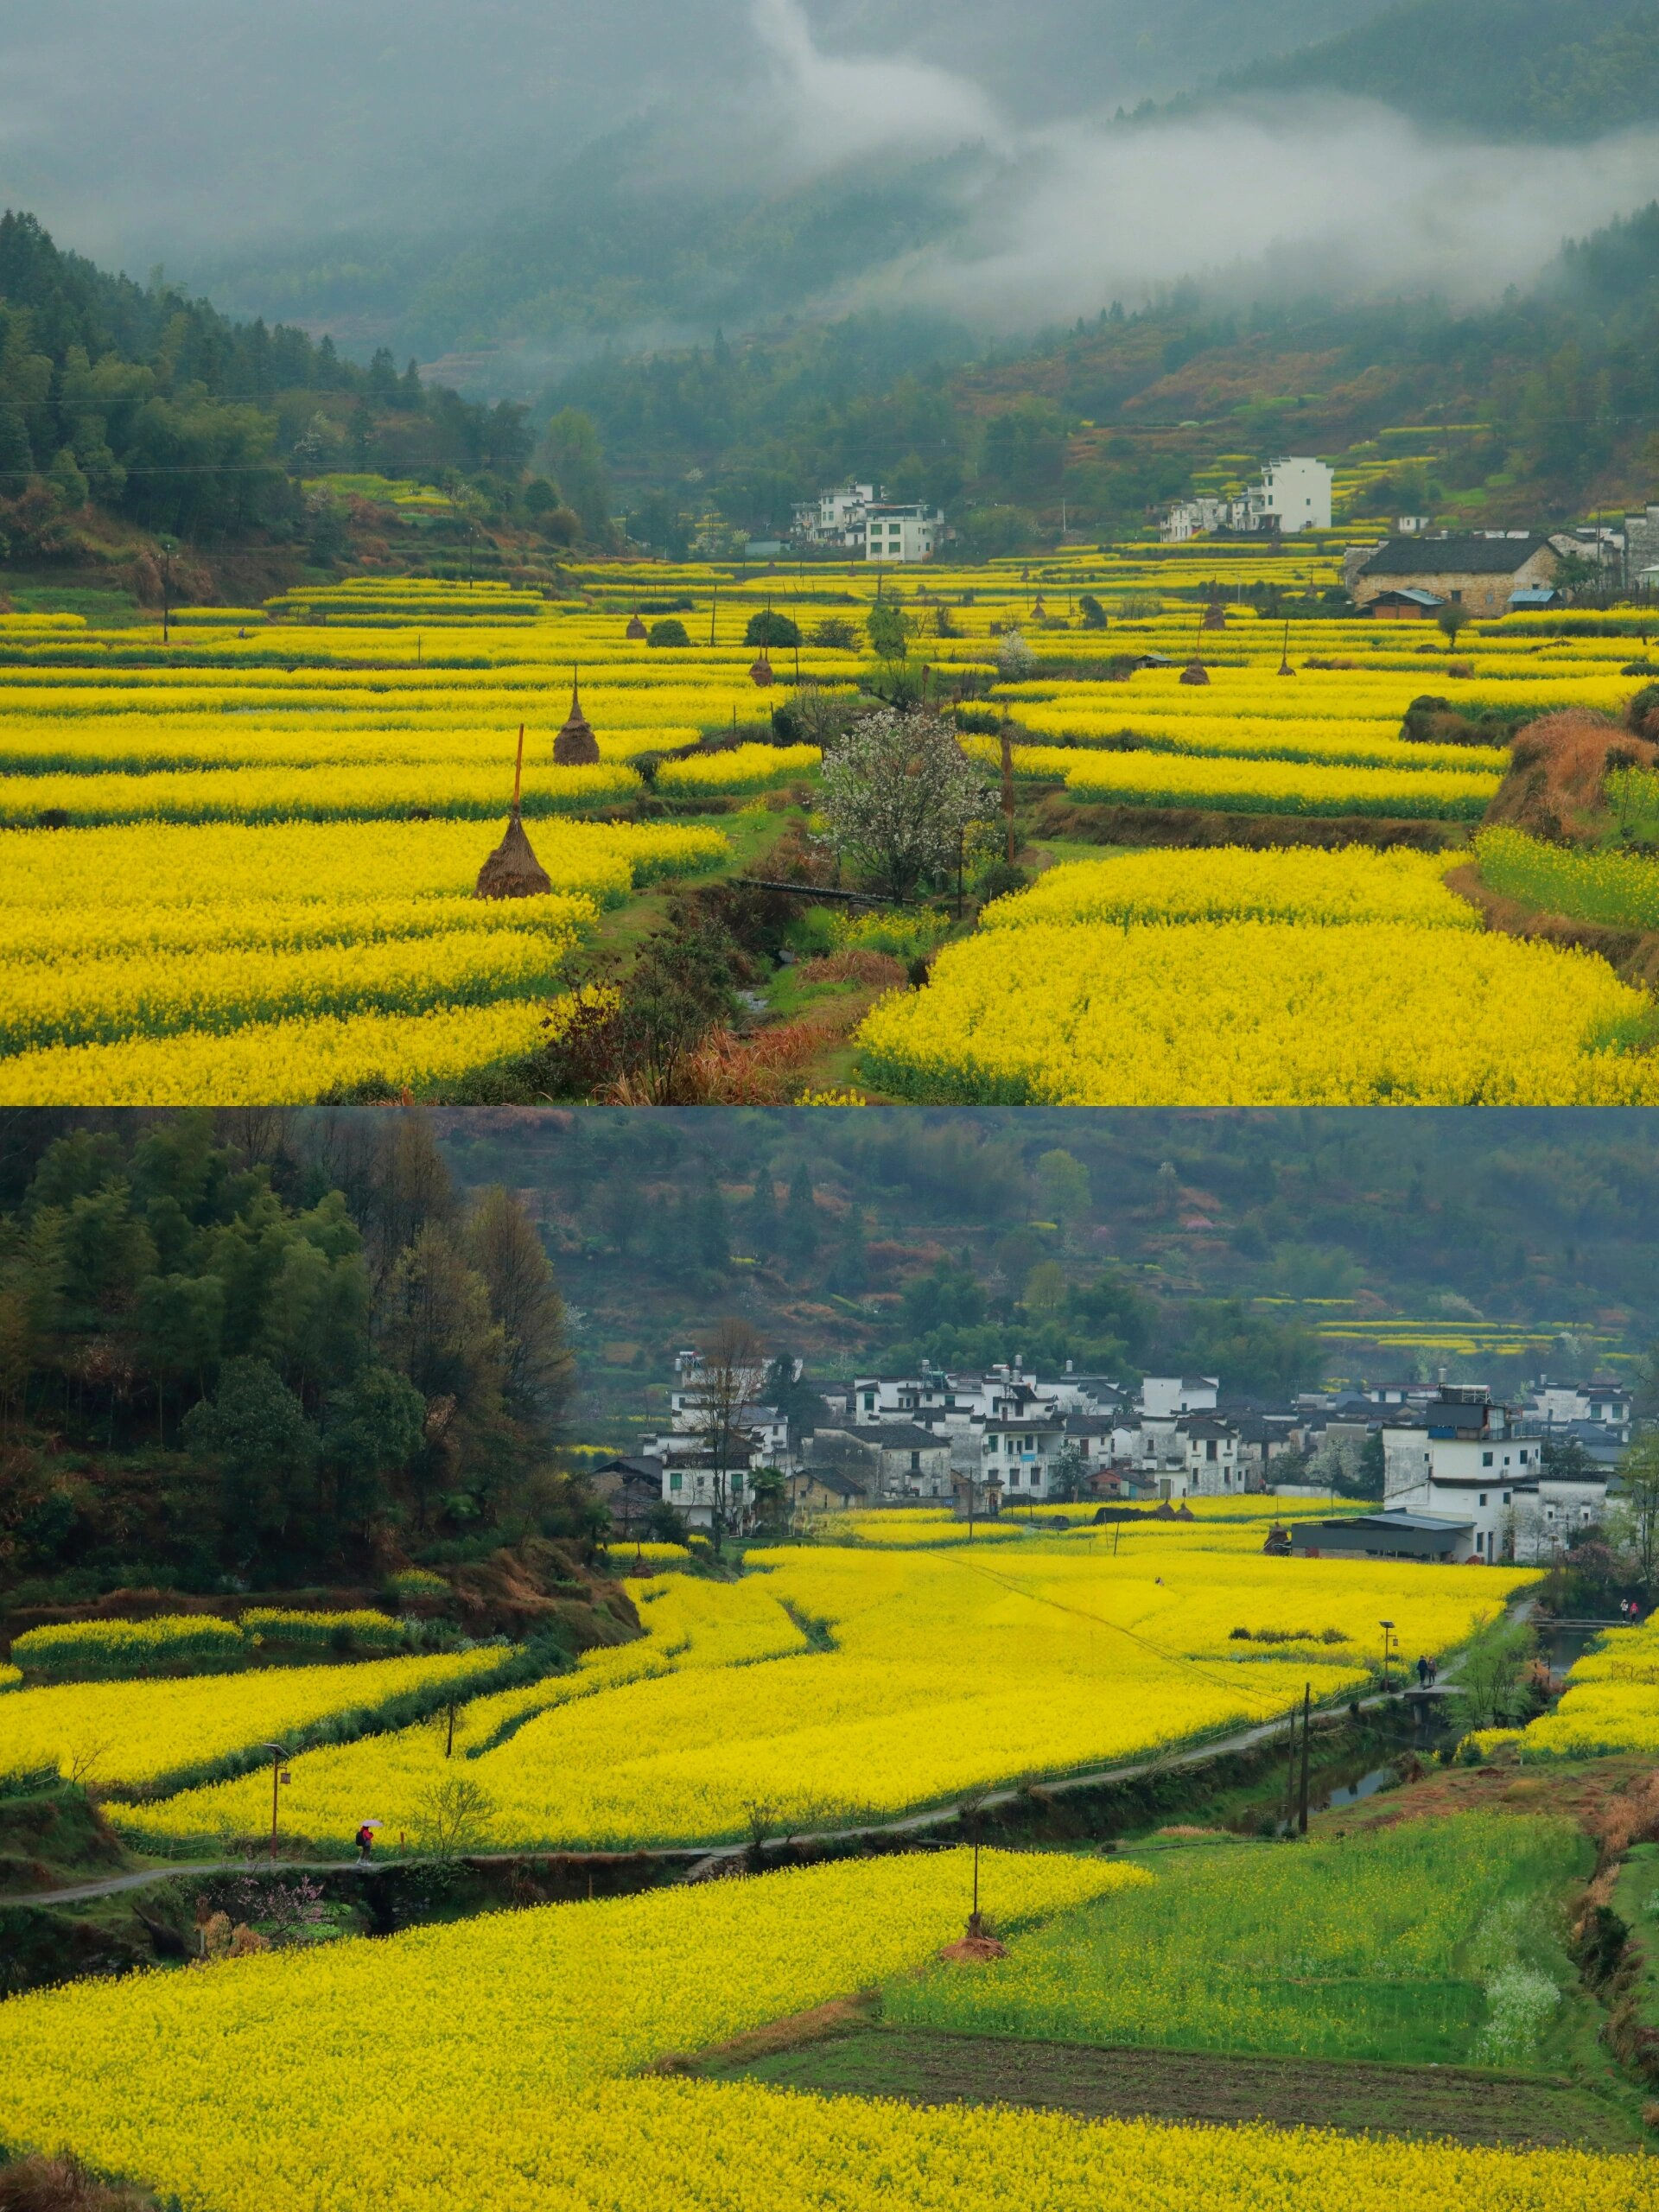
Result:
{"points": [[512, 870], [575, 746]]}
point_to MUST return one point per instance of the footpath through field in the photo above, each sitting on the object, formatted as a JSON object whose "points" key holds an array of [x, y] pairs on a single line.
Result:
{"points": [[706, 1865]]}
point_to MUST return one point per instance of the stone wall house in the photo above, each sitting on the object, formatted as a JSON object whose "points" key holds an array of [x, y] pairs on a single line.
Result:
{"points": [[893, 1460], [1477, 572], [826, 1490]]}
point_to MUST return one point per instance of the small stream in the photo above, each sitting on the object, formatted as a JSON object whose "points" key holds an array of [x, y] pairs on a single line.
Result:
{"points": [[1562, 1646], [1354, 1793]]}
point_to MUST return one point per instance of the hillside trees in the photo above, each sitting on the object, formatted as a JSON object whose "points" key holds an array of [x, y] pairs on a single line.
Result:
{"points": [[337, 1370], [184, 421]]}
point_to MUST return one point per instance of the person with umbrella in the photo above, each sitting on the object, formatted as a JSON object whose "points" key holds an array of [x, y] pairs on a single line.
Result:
{"points": [[365, 1840]]}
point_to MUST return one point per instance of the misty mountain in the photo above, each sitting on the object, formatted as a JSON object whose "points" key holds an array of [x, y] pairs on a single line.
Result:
{"points": [[1544, 70], [175, 128], [515, 193]]}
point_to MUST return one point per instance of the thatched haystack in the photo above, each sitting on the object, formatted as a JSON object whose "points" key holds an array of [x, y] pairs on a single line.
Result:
{"points": [[1195, 672], [512, 870], [636, 629], [1555, 788], [575, 746], [761, 672]]}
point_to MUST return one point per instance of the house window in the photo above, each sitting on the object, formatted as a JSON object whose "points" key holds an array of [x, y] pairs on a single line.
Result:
{"points": [[674, 1482], [915, 1462], [1485, 1458], [1506, 1498], [1483, 1498]]}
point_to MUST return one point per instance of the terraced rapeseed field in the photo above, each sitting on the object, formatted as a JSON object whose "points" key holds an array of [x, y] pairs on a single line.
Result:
{"points": [[380, 2071], [1611, 1703], [245, 857], [1260, 1012], [838, 1685], [123, 1734]]}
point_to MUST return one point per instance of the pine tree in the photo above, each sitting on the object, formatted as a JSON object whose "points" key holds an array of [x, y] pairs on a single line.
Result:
{"points": [[16, 456], [710, 1236], [761, 1214], [850, 1264], [799, 1225]]}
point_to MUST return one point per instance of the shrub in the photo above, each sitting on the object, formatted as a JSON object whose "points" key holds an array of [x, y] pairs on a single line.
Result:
{"points": [[983, 721], [671, 631], [339, 1632], [837, 635], [414, 1582], [766, 628]]}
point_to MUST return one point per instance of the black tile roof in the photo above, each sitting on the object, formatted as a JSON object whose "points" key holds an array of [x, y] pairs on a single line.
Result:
{"points": [[1466, 555]]}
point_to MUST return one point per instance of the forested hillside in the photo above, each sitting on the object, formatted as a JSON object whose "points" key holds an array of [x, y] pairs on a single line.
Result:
{"points": [[168, 416], [1521, 69], [1555, 398], [1119, 1240], [226, 1361]]}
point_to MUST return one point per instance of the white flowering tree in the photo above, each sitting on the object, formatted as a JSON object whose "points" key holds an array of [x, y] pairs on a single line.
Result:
{"points": [[1015, 661], [900, 800]]}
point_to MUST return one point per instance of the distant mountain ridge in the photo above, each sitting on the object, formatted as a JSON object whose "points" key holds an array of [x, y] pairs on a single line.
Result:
{"points": [[1542, 70]]}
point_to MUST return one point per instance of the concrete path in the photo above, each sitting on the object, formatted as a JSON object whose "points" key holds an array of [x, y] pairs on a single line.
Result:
{"points": [[713, 1863]]}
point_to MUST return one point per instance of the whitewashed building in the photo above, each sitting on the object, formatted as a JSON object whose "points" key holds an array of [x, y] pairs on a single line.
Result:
{"points": [[836, 518], [1164, 1395], [1292, 494], [909, 532]]}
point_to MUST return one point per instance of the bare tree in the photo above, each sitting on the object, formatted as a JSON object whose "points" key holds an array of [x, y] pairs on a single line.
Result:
{"points": [[1635, 1522], [79, 1763], [505, 1250], [452, 1816], [734, 1371]]}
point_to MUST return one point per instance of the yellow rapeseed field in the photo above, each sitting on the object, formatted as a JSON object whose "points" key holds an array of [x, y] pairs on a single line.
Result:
{"points": [[1610, 1702], [948, 1670], [1260, 1013], [499, 2062], [123, 1733], [1232, 883], [212, 850], [234, 963]]}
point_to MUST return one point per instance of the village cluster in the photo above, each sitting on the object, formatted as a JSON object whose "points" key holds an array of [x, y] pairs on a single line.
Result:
{"points": [[1455, 1475]]}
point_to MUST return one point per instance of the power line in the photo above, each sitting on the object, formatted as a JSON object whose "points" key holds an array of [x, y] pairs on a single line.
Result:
{"points": [[1173, 1658]]}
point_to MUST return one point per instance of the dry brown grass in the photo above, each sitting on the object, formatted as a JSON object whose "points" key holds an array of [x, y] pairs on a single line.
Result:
{"points": [[766, 1066], [1554, 787], [856, 963], [63, 2184]]}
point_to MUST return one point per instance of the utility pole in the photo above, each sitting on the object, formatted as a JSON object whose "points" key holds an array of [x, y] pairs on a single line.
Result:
{"points": [[1290, 1776], [1007, 789], [278, 1776], [1307, 1715], [167, 588]]}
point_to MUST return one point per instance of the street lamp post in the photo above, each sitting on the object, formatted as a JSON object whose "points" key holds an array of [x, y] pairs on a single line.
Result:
{"points": [[278, 1776], [1387, 1628]]}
